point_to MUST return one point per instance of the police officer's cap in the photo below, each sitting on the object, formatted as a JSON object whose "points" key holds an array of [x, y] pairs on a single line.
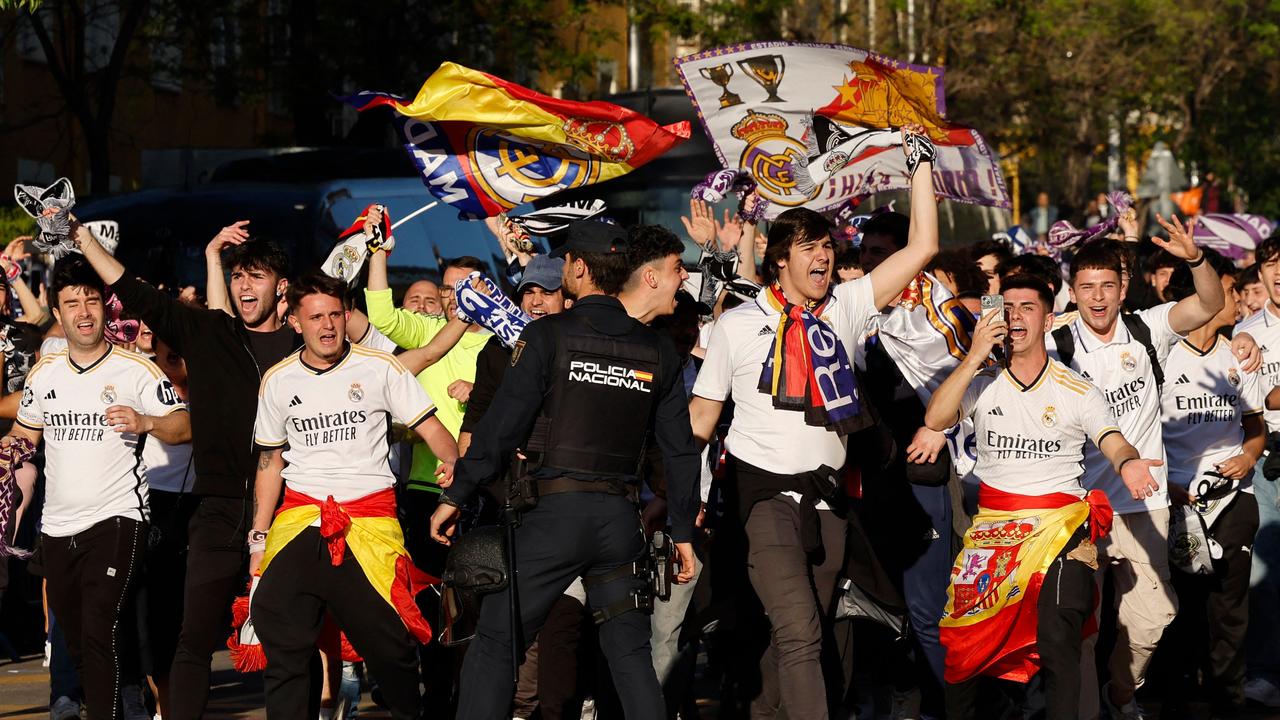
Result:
{"points": [[592, 236]]}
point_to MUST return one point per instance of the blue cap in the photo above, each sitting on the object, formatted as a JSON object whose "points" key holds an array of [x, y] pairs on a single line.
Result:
{"points": [[544, 271]]}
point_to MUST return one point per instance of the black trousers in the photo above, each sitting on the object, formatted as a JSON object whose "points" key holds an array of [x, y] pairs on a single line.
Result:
{"points": [[217, 566], [566, 536], [1215, 608], [299, 586], [91, 577], [438, 663], [159, 599], [1066, 598]]}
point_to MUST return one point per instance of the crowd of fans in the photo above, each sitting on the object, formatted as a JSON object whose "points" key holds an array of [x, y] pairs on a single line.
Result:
{"points": [[1165, 633]]}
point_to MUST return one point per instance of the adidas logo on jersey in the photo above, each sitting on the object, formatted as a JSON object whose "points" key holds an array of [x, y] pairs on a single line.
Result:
{"points": [[295, 402], [996, 411], [51, 395], [765, 331], [1182, 380], [1085, 374]]}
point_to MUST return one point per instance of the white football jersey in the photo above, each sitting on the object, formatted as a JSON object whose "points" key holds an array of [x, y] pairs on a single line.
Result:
{"points": [[93, 472], [1205, 396], [1264, 327], [1031, 438], [1121, 369], [335, 421]]}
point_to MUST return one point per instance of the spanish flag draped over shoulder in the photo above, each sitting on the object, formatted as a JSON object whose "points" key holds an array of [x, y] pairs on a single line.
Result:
{"points": [[486, 145]]}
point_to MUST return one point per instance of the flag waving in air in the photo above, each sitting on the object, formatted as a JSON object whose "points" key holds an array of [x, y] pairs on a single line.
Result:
{"points": [[485, 145]]}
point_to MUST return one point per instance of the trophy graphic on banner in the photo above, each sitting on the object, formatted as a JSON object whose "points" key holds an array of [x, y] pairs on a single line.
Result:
{"points": [[720, 75], [766, 70]]}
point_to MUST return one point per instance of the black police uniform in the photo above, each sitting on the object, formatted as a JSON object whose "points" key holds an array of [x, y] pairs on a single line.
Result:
{"points": [[599, 379]]}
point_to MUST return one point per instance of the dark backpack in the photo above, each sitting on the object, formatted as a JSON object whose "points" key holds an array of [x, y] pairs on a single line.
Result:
{"points": [[1137, 328]]}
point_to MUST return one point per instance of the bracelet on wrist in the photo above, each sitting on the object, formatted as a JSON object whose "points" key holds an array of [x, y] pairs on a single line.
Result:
{"points": [[1120, 468], [1134, 238], [1197, 262], [257, 537]]}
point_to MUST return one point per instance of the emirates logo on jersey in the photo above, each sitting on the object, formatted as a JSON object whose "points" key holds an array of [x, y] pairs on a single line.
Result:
{"points": [[108, 395], [356, 393]]}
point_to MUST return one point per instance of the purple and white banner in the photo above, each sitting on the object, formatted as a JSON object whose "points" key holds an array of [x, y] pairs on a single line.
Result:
{"points": [[1232, 234], [757, 101]]}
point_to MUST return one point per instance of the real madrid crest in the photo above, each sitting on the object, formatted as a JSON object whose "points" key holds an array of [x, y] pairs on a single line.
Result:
{"points": [[1050, 417], [1127, 362], [1233, 377], [769, 155], [356, 393], [108, 394]]}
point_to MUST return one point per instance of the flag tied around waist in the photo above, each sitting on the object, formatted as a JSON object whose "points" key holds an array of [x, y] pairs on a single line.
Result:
{"points": [[486, 145], [818, 124], [989, 624]]}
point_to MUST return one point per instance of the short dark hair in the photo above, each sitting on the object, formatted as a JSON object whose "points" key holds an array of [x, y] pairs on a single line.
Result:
{"points": [[1029, 282], [894, 224], [969, 278], [76, 272], [466, 262], [646, 243], [983, 248], [1041, 266], [1098, 255], [315, 283], [849, 258], [1248, 276], [609, 271], [791, 227], [1182, 285], [1268, 249], [1162, 258], [259, 253]]}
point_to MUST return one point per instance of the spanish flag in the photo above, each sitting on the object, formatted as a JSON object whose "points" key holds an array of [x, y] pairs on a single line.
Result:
{"points": [[486, 145]]}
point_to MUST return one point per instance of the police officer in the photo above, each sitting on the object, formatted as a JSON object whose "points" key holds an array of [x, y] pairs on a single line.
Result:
{"points": [[593, 380]]}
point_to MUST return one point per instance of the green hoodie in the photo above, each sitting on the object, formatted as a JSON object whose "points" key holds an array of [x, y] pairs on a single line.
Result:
{"points": [[412, 330]]}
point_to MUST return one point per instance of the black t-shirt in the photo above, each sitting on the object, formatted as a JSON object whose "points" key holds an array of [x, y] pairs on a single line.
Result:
{"points": [[269, 348], [491, 364]]}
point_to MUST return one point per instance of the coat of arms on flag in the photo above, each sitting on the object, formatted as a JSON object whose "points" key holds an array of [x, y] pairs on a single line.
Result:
{"points": [[818, 124], [486, 145]]}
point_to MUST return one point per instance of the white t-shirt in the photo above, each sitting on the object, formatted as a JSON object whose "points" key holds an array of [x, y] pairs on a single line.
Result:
{"points": [[1122, 370], [169, 467], [1264, 327], [52, 345], [1205, 395], [778, 441], [335, 420], [373, 338], [1031, 439], [93, 472]]}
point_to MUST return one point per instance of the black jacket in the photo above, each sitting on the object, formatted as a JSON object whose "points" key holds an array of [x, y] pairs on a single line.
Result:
{"points": [[526, 383], [223, 378]]}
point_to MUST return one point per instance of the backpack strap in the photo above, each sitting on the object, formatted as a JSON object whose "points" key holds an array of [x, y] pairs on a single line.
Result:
{"points": [[1066, 343], [1141, 332]]}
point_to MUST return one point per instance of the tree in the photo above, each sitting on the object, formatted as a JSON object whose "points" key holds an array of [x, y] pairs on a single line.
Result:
{"points": [[90, 93]]}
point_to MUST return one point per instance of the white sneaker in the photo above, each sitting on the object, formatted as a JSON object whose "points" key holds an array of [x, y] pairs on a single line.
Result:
{"points": [[1129, 711], [64, 708], [48, 654], [1262, 691]]}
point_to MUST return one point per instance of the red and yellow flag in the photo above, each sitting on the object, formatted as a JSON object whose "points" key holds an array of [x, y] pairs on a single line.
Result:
{"points": [[486, 145]]}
